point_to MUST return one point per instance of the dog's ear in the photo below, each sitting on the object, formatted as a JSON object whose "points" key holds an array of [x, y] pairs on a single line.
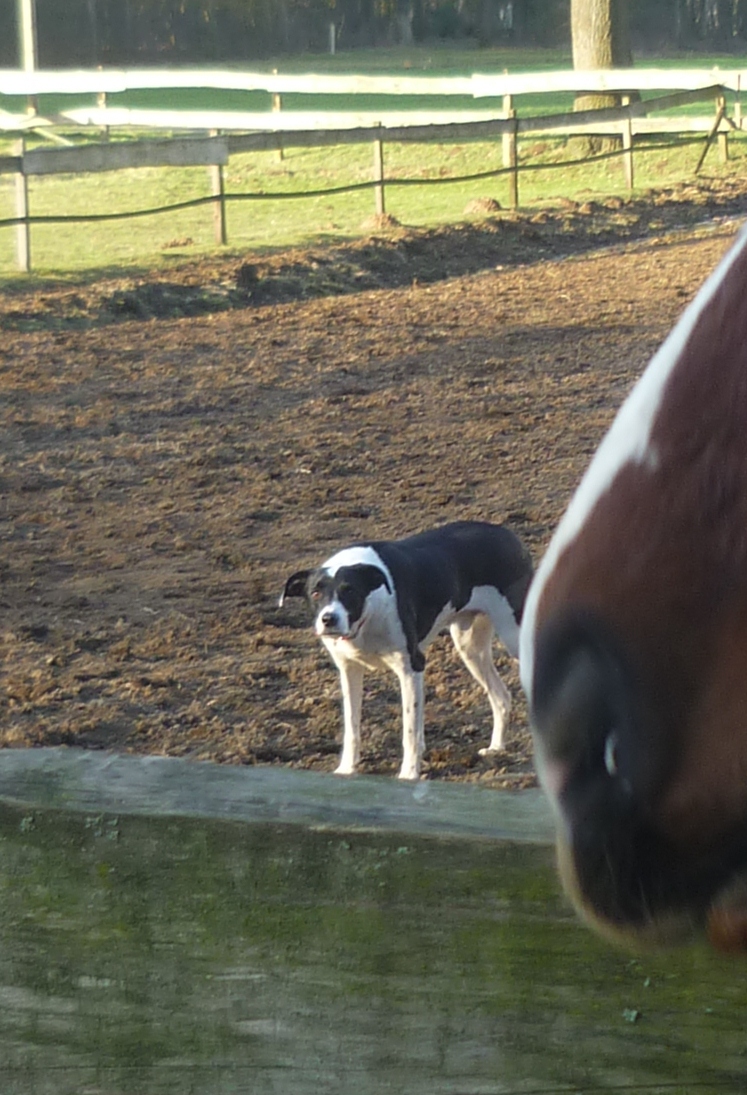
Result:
{"points": [[295, 586], [372, 576]]}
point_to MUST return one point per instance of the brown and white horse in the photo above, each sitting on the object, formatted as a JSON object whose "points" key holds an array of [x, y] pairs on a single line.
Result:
{"points": [[634, 644]]}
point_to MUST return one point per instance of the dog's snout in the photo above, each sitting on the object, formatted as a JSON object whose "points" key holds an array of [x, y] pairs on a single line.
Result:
{"points": [[330, 621]]}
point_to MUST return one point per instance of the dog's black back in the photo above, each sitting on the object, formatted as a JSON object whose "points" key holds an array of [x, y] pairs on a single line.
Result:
{"points": [[445, 564]]}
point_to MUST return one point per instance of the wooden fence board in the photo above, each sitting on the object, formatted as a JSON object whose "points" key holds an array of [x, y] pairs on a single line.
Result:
{"points": [[178, 152], [312, 138], [265, 136], [286, 120]]}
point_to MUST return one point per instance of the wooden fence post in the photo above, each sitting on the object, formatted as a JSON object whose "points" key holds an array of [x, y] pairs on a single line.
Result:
{"points": [[627, 141], [723, 137], [101, 104], [23, 230], [217, 189], [510, 152], [277, 106], [738, 103], [508, 112], [720, 110], [27, 43], [378, 150]]}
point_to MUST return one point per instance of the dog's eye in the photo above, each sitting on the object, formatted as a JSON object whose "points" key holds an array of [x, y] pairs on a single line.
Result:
{"points": [[316, 594], [343, 588]]}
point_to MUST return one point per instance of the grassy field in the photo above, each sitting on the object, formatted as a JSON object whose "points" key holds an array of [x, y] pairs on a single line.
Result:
{"points": [[266, 223]]}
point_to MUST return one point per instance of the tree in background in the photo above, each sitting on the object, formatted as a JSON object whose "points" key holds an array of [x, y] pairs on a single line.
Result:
{"points": [[719, 22], [600, 35], [131, 32]]}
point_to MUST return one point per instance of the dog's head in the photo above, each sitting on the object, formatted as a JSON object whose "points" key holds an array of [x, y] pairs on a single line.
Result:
{"points": [[339, 599]]}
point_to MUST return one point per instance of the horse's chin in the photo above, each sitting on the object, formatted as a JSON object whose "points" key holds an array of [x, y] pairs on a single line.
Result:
{"points": [[665, 930]]}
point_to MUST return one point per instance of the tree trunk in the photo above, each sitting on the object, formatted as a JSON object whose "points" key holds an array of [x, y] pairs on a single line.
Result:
{"points": [[600, 31], [404, 18]]}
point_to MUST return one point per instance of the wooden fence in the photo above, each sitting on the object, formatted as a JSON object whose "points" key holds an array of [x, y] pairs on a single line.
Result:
{"points": [[224, 133]]}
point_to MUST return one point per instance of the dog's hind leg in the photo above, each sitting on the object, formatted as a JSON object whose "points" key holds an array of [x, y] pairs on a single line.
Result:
{"points": [[351, 680], [413, 720], [473, 639]]}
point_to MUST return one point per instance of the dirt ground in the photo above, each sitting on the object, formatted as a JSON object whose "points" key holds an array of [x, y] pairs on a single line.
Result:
{"points": [[174, 444]]}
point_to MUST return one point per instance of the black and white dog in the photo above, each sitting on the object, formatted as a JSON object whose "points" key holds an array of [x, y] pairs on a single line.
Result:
{"points": [[380, 604]]}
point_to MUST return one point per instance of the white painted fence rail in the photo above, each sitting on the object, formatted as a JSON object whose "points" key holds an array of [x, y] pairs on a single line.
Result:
{"points": [[479, 85], [286, 121]]}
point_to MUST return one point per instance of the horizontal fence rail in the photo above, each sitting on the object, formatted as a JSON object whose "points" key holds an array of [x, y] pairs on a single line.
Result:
{"points": [[279, 195], [479, 85], [300, 131], [232, 132]]}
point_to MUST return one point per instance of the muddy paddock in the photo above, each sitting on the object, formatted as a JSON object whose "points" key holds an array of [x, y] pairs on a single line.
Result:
{"points": [[175, 443]]}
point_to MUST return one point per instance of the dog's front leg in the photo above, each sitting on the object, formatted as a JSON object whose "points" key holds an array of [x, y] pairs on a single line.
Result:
{"points": [[351, 680], [413, 731]]}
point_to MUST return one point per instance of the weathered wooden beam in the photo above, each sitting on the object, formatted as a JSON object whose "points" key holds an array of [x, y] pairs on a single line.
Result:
{"points": [[203, 150], [236, 120], [712, 135], [614, 113], [179, 152], [9, 165]]}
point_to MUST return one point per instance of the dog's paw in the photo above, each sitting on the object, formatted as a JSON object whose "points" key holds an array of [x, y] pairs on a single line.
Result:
{"points": [[490, 750], [345, 770]]}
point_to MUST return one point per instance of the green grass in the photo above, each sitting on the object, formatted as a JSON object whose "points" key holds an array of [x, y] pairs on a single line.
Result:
{"points": [[255, 225]]}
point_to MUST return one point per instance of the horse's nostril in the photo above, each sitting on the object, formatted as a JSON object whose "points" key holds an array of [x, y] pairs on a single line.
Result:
{"points": [[583, 703], [570, 712]]}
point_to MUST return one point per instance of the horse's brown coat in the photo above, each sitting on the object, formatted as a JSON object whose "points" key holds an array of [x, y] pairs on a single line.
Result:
{"points": [[661, 558]]}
